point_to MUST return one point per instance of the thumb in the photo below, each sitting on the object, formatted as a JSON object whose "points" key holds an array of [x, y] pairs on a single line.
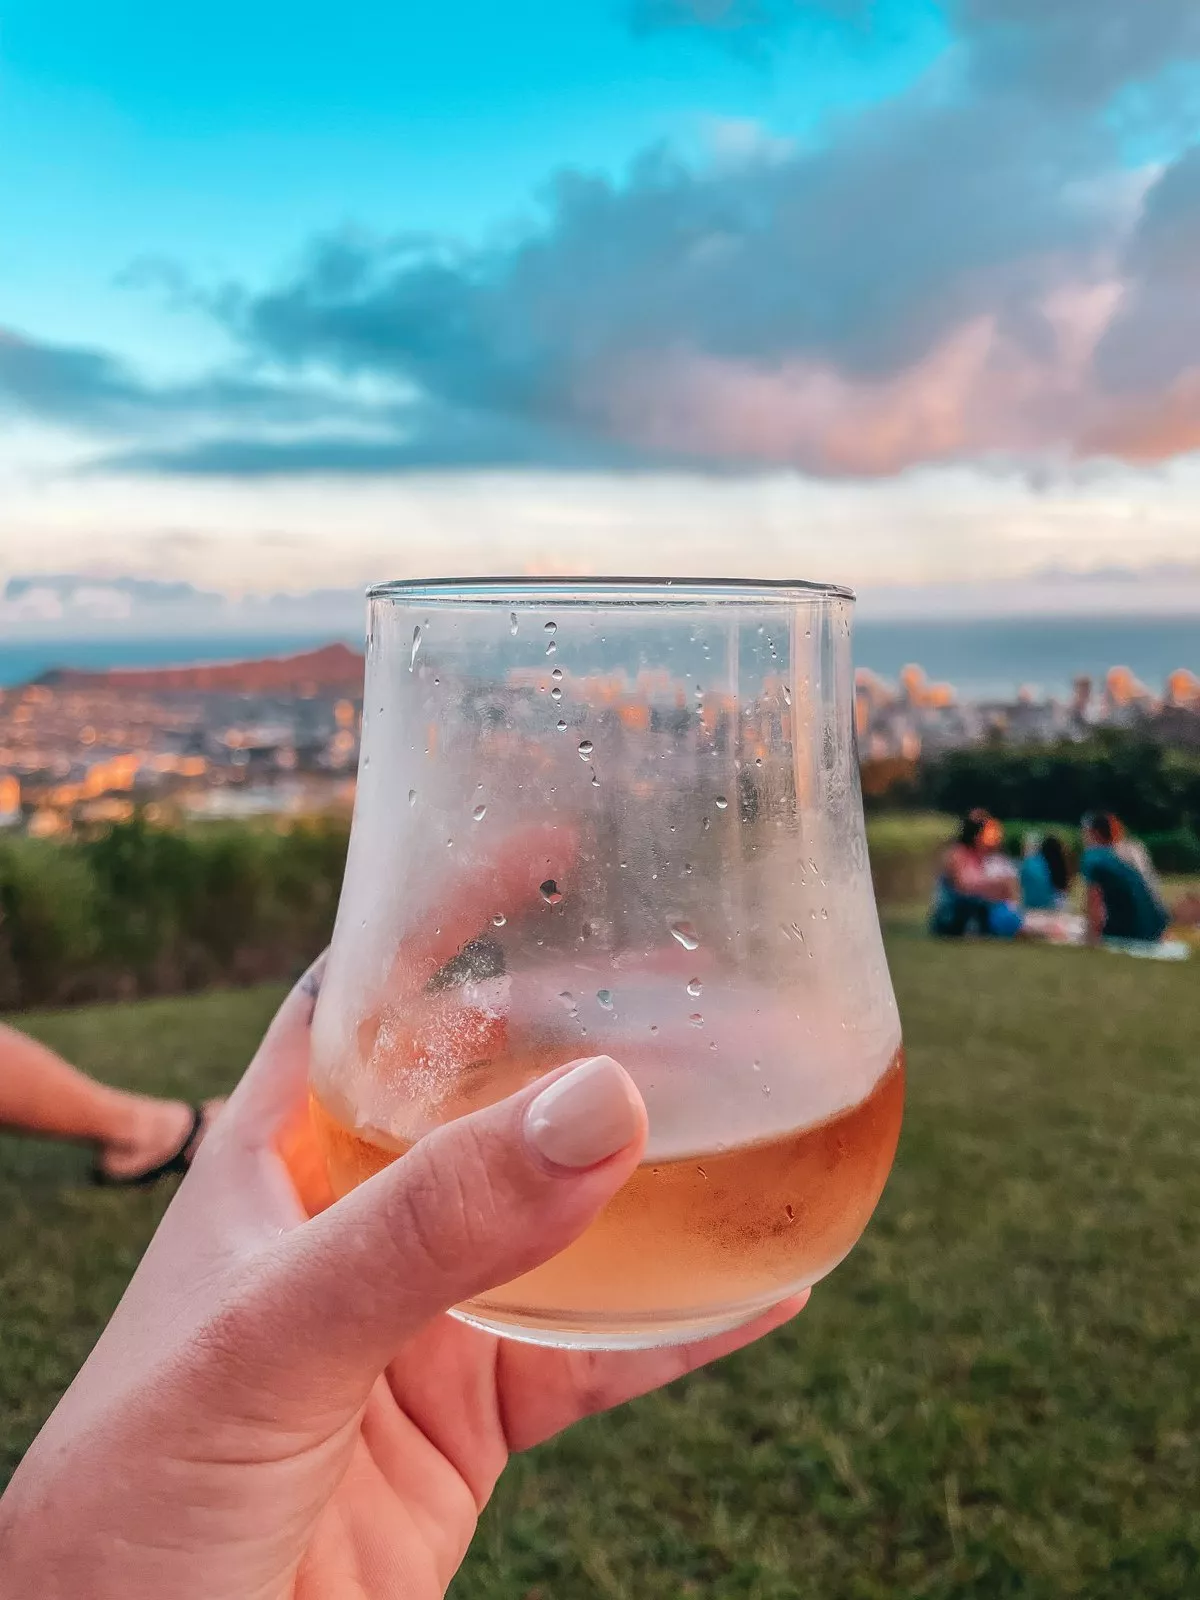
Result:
{"points": [[471, 1206]]}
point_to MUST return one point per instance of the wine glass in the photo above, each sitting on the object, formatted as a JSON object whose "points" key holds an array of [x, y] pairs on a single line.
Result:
{"points": [[622, 817]]}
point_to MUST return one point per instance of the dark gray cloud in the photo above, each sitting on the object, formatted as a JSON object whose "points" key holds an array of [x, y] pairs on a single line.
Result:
{"points": [[61, 384], [74, 386], [1154, 337], [428, 440], [1078, 53]]}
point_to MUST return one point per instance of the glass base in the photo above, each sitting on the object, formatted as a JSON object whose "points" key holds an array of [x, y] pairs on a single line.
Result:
{"points": [[629, 1332]]}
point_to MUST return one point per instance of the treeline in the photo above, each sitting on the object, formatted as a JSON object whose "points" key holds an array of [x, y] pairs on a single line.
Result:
{"points": [[140, 910], [1154, 789]]}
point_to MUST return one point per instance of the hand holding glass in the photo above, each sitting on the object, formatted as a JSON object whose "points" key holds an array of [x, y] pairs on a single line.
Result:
{"points": [[622, 818]]}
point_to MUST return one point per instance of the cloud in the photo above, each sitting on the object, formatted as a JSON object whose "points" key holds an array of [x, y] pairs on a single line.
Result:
{"points": [[1075, 52], [73, 386], [752, 28], [32, 605], [969, 271]]}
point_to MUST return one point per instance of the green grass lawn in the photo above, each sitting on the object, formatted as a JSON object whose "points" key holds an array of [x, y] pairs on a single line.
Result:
{"points": [[997, 1395]]}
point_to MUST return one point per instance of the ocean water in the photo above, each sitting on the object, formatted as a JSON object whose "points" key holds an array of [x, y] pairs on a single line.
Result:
{"points": [[980, 657]]}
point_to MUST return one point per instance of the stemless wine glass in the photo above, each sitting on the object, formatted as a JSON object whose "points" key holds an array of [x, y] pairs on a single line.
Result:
{"points": [[623, 817]]}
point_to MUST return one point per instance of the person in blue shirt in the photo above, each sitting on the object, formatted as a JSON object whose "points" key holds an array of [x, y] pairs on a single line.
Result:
{"points": [[1121, 904], [1045, 874], [977, 887]]}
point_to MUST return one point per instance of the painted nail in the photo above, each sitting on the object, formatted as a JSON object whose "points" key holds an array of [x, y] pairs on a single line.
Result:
{"points": [[585, 1116]]}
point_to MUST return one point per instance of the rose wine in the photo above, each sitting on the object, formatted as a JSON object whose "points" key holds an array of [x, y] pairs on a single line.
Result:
{"points": [[729, 1224]]}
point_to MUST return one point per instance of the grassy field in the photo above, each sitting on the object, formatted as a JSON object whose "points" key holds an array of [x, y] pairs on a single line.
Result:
{"points": [[998, 1395]]}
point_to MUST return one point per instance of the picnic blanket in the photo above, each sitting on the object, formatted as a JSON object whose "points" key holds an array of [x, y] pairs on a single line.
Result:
{"points": [[1069, 928]]}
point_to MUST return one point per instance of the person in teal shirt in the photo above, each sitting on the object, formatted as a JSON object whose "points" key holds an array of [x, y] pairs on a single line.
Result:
{"points": [[1121, 904], [1045, 874]]}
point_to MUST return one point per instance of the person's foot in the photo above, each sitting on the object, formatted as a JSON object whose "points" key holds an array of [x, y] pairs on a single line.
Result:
{"points": [[158, 1130]]}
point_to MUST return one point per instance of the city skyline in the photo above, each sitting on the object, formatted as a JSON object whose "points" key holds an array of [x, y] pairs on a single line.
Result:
{"points": [[895, 292]]}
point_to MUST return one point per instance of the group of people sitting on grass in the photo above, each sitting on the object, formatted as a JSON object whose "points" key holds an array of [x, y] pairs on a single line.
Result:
{"points": [[983, 891]]}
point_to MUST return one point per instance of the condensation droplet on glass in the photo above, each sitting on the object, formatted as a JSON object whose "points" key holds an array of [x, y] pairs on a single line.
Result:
{"points": [[412, 797], [550, 892], [722, 803], [551, 648], [685, 934], [756, 1066], [556, 693], [705, 825], [798, 931], [449, 844], [568, 1001], [696, 1019], [694, 987], [687, 869], [499, 920], [766, 1088], [561, 725], [787, 695], [596, 785], [551, 627], [654, 1027], [712, 1045], [512, 623], [824, 914], [557, 674], [479, 813], [789, 1213], [416, 645], [605, 997], [758, 761], [702, 1172], [585, 749]]}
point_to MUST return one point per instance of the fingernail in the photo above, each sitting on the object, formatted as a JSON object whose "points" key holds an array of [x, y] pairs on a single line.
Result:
{"points": [[586, 1115]]}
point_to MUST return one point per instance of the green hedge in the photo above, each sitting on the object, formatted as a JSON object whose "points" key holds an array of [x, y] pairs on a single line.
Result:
{"points": [[142, 910], [1154, 789], [905, 849]]}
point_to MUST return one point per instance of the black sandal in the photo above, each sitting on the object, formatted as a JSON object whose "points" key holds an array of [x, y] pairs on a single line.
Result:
{"points": [[173, 1165]]}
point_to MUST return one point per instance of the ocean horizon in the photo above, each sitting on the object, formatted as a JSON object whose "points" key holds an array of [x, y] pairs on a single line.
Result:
{"points": [[982, 657]]}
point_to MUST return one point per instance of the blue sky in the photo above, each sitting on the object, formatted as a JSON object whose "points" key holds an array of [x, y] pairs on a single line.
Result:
{"points": [[902, 291]]}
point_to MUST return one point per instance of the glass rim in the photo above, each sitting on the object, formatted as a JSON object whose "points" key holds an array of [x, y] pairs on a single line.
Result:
{"points": [[589, 590]]}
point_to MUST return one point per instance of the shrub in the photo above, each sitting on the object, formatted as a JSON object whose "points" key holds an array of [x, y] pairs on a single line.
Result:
{"points": [[1177, 851], [1152, 788], [145, 910], [905, 848]]}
